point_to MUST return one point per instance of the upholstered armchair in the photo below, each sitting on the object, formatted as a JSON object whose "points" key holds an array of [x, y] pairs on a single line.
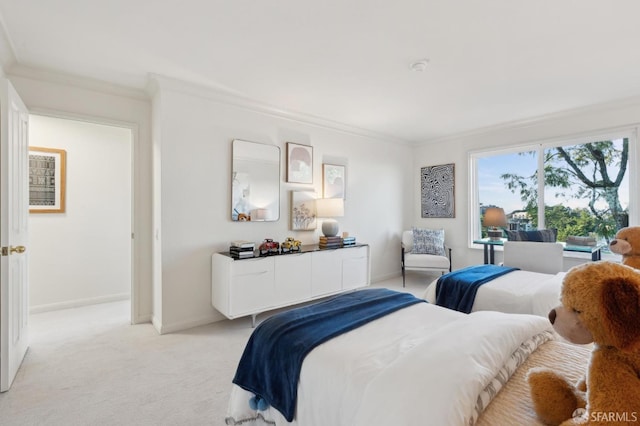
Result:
{"points": [[424, 250]]}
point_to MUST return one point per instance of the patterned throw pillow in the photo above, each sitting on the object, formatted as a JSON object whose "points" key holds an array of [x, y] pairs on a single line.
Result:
{"points": [[540, 236], [516, 235], [428, 241]]}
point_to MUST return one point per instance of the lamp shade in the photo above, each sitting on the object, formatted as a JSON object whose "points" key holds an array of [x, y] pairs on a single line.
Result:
{"points": [[259, 214], [494, 216], [330, 207]]}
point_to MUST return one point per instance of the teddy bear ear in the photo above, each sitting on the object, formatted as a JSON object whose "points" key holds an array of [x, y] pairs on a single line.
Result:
{"points": [[621, 303]]}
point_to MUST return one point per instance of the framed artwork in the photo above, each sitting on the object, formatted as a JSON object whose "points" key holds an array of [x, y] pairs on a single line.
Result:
{"points": [[47, 180], [303, 211], [437, 187], [299, 163], [333, 181]]}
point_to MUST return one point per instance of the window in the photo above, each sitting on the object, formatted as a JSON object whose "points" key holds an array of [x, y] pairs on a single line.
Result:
{"points": [[579, 187]]}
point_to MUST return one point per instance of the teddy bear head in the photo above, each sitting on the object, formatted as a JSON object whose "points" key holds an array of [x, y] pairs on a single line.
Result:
{"points": [[601, 304], [627, 243]]}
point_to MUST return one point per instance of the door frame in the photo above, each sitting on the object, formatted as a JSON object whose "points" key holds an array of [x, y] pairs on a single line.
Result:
{"points": [[136, 246]]}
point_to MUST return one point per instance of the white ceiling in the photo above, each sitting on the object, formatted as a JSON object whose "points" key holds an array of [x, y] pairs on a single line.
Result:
{"points": [[490, 61]]}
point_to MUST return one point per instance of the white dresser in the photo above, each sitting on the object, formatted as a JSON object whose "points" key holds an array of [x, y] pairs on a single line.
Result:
{"points": [[242, 287]]}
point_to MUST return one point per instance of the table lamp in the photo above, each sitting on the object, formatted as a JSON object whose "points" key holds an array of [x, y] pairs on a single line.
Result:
{"points": [[259, 215], [329, 208], [494, 217]]}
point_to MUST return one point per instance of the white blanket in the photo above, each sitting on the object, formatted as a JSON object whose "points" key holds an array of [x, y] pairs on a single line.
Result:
{"points": [[518, 292], [420, 365]]}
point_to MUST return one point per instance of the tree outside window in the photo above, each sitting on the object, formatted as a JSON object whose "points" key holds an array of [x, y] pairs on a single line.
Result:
{"points": [[585, 191]]}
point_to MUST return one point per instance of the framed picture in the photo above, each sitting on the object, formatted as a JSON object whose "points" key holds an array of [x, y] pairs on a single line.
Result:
{"points": [[333, 181], [47, 180], [437, 187], [299, 163], [303, 211]]}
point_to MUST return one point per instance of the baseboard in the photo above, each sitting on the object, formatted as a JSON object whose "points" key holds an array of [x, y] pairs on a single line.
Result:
{"points": [[156, 324], [78, 303], [142, 319], [386, 276], [184, 325]]}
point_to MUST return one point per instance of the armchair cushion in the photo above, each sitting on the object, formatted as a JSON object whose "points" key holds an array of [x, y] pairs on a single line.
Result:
{"points": [[429, 261], [428, 241]]}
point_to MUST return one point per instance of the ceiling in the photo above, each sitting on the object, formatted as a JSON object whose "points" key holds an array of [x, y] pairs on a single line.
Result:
{"points": [[489, 62]]}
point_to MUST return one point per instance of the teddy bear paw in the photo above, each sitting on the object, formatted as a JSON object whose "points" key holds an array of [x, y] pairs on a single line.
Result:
{"points": [[554, 399]]}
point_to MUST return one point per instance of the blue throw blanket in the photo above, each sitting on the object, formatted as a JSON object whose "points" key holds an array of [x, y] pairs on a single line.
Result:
{"points": [[457, 290], [271, 362]]}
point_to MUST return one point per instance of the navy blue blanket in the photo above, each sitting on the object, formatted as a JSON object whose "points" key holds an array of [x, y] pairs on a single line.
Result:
{"points": [[457, 290], [271, 362]]}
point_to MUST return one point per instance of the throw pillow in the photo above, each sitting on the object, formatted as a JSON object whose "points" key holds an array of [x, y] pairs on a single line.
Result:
{"points": [[541, 235], [428, 241], [515, 236]]}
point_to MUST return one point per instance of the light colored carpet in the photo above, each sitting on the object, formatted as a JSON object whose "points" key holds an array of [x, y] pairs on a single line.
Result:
{"points": [[88, 366]]}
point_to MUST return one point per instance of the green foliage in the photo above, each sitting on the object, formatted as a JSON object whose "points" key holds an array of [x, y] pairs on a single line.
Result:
{"points": [[570, 221], [592, 171]]}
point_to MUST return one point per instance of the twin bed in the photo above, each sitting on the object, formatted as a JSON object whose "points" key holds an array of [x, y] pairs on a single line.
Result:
{"points": [[518, 292], [419, 364]]}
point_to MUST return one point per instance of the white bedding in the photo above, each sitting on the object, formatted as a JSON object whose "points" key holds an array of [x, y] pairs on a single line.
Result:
{"points": [[519, 292], [420, 365]]}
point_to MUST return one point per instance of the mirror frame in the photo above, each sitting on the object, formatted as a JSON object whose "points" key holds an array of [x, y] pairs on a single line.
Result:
{"points": [[253, 213]]}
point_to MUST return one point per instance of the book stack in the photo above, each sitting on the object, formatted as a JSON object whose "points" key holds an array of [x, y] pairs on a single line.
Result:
{"points": [[348, 241], [241, 249], [573, 240], [330, 242]]}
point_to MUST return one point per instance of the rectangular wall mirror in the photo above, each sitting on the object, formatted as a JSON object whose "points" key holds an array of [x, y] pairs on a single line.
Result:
{"points": [[255, 182]]}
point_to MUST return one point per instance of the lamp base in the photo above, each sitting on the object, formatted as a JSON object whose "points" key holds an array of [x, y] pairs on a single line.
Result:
{"points": [[330, 227], [494, 234]]}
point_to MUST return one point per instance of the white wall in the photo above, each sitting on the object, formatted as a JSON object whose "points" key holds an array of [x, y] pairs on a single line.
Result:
{"points": [[85, 99], [189, 159], [184, 171], [195, 135], [456, 149], [83, 255]]}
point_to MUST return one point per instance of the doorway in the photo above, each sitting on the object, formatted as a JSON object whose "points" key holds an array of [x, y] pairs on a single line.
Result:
{"points": [[83, 256]]}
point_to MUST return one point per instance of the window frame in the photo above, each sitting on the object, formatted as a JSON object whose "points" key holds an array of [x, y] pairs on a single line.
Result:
{"points": [[474, 226]]}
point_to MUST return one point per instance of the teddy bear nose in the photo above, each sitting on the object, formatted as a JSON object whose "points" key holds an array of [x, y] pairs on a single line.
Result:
{"points": [[613, 243], [552, 316]]}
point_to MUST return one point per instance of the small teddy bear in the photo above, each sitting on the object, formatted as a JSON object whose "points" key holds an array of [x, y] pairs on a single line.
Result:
{"points": [[627, 243], [600, 304]]}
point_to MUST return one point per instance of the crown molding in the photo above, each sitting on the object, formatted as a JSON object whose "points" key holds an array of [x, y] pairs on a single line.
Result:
{"points": [[24, 71], [537, 120], [158, 82]]}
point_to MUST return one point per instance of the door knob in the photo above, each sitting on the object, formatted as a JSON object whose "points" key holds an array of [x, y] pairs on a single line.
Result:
{"points": [[17, 249]]}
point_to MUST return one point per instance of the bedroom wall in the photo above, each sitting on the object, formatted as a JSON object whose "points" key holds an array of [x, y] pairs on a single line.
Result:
{"points": [[456, 149], [81, 99], [94, 232], [195, 134], [191, 218], [191, 151]]}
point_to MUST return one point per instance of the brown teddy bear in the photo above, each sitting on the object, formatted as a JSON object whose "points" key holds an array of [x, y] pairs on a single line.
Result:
{"points": [[600, 304], [627, 243]]}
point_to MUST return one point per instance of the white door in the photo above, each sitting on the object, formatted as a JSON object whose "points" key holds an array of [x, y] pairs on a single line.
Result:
{"points": [[14, 212]]}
